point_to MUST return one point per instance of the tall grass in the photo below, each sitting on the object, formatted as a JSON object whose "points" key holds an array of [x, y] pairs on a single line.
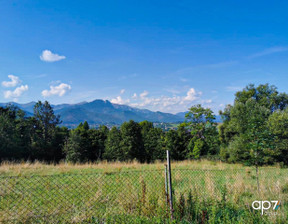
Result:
{"points": [[204, 192], [37, 167]]}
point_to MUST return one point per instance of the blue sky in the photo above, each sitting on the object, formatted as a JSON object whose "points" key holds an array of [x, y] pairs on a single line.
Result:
{"points": [[159, 55]]}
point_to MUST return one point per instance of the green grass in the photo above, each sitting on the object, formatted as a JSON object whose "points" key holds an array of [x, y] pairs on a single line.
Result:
{"points": [[204, 192]]}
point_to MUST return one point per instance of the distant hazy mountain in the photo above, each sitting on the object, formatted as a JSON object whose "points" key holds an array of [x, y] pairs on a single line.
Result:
{"points": [[102, 112]]}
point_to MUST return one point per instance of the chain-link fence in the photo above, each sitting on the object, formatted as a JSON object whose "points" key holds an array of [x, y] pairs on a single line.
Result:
{"points": [[226, 196], [89, 197], [141, 196]]}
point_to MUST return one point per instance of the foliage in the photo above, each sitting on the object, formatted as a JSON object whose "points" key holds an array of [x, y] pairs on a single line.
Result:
{"points": [[152, 141], [131, 141], [278, 126], [44, 124], [73, 148], [201, 123], [253, 132], [113, 150], [253, 128]]}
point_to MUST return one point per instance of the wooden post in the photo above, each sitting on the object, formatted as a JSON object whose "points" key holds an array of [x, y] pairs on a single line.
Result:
{"points": [[170, 184]]}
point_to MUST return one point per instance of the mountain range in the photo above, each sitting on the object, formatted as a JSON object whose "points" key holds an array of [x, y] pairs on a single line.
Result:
{"points": [[103, 112]]}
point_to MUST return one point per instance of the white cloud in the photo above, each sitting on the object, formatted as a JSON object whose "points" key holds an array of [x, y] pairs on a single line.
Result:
{"points": [[14, 81], [144, 94], [59, 90], [134, 96], [207, 101], [122, 91], [16, 93], [48, 56], [192, 95], [119, 100], [166, 103]]}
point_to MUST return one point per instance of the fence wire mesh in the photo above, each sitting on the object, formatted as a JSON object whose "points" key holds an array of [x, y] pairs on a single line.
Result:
{"points": [[232, 183], [79, 197], [226, 196], [132, 196]]}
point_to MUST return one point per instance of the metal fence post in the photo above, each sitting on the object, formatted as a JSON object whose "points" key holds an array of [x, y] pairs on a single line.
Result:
{"points": [[170, 184], [166, 188], [166, 185]]}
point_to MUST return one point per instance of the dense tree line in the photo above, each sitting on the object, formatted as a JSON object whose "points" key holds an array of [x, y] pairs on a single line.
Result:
{"points": [[30, 138], [254, 131], [40, 138]]}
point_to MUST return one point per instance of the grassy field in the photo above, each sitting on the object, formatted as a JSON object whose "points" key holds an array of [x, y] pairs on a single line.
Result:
{"points": [[204, 192]]}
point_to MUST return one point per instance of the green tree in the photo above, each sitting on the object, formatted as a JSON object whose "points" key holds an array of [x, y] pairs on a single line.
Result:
{"points": [[173, 142], [45, 123], [78, 146], [257, 136], [86, 126], [8, 137], [113, 151], [155, 145], [250, 144], [278, 126], [226, 131], [46, 120], [15, 134], [152, 141], [131, 141], [201, 123], [239, 131], [72, 147], [265, 95], [61, 135], [97, 138], [176, 141]]}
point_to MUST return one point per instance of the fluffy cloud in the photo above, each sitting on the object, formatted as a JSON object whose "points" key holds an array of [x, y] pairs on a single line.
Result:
{"points": [[59, 90], [207, 101], [134, 96], [48, 56], [192, 95], [14, 81], [144, 94], [16, 93], [119, 100], [122, 91], [166, 103]]}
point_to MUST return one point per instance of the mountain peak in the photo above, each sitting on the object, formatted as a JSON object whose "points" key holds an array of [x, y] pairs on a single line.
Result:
{"points": [[102, 112]]}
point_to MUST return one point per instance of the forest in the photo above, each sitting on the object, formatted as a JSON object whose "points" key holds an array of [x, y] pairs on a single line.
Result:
{"points": [[254, 132]]}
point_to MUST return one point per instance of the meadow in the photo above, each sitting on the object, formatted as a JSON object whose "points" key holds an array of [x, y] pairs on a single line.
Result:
{"points": [[204, 192]]}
